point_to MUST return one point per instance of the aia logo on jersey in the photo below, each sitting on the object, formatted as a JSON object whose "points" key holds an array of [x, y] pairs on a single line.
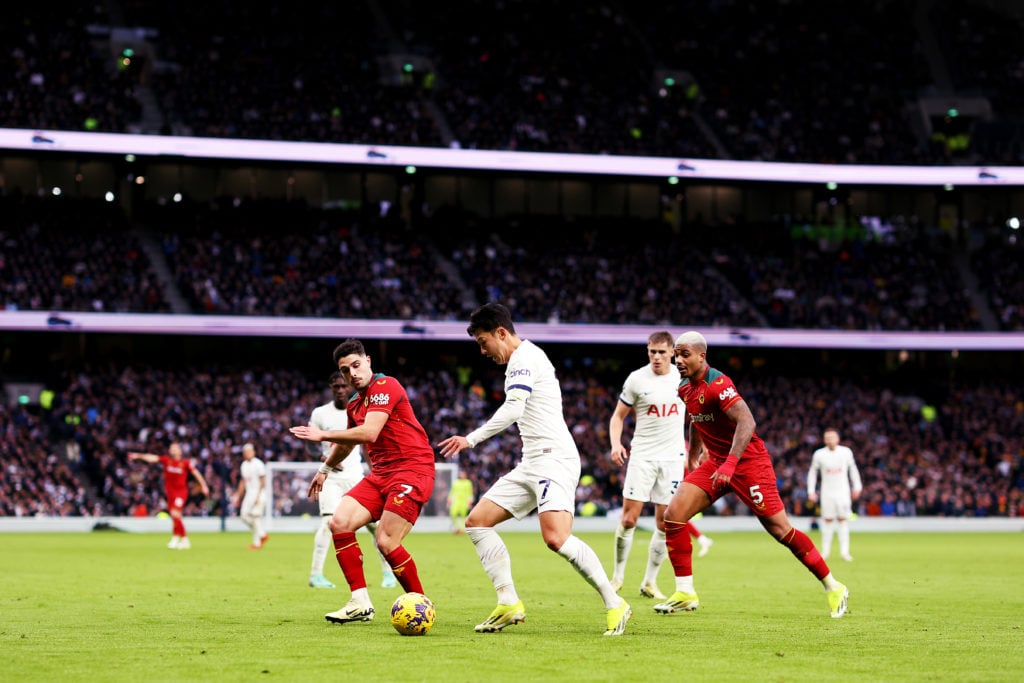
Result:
{"points": [[728, 393], [379, 399], [664, 411]]}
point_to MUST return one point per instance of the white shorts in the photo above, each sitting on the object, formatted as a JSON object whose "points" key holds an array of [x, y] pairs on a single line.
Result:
{"points": [[544, 484], [653, 480], [335, 487], [252, 507], [836, 507]]}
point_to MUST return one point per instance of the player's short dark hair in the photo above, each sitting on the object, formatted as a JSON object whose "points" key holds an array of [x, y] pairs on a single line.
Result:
{"points": [[336, 375], [347, 348], [661, 337], [490, 317]]}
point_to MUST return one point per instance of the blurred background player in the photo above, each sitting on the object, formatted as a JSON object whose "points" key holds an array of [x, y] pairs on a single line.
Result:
{"points": [[840, 486], [656, 459], [737, 460], [328, 416], [176, 472], [399, 484], [251, 497], [460, 498], [545, 479]]}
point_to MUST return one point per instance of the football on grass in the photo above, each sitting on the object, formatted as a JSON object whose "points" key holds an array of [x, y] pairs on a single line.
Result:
{"points": [[412, 614]]}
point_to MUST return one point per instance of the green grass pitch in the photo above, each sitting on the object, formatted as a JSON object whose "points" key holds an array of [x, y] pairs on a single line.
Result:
{"points": [[110, 606]]}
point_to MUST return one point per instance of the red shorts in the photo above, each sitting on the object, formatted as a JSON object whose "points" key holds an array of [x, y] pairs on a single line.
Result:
{"points": [[176, 500], [404, 493], [753, 482]]}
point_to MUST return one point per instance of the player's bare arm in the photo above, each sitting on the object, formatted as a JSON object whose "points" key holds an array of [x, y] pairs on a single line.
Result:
{"points": [[453, 445], [144, 457], [202, 482], [619, 453], [354, 436], [739, 413], [695, 449]]}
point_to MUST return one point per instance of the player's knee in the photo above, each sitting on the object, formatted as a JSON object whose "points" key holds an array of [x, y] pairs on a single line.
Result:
{"points": [[554, 541]]}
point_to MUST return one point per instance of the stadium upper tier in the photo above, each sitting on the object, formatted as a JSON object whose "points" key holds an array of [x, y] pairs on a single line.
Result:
{"points": [[882, 82]]}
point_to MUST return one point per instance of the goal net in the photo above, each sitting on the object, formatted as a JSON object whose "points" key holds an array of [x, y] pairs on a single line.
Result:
{"points": [[288, 483]]}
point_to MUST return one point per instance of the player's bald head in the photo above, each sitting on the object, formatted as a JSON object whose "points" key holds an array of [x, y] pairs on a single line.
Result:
{"points": [[693, 339]]}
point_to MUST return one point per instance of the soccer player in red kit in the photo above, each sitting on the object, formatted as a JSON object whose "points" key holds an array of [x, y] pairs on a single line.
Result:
{"points": [[177, 469], [399, 484], [736, 461]]}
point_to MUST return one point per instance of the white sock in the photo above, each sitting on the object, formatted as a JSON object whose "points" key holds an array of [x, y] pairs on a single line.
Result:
{"points": [[843, 531], [623, 544], [585, 561], [322, 542], [362, 596], [257, 531], [493, 554], [684, 584], [384, 566], [827, 528], [656, 553], [829, 582]]}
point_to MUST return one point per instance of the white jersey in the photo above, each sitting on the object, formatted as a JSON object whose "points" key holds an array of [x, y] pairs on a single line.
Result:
{"points": [[659, 432], [838, 473], [328, 417], [530, 378], [253, 470]]}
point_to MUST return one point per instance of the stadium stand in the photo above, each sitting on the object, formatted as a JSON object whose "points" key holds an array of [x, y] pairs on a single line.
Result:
{"points": [[778, 82], [924, 447]]}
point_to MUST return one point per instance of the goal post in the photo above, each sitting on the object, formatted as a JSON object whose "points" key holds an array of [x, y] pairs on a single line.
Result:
{"points": [[288, 483]]}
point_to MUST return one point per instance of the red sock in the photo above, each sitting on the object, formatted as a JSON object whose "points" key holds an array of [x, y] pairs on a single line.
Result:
{"points": [[801, 545], [680, 548], [350, 559], [178, 526], [692, 530], [404, 568]]}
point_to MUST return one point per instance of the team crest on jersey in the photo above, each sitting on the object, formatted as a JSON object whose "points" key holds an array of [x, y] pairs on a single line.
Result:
{"points": [[700, 398]]}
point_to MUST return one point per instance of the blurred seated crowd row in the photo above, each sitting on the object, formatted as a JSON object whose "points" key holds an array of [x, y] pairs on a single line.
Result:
{"points": [[269, 257], [779, 81], [956, 453]]}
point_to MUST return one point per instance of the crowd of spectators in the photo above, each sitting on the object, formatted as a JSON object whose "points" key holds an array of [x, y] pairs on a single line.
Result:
{"points": [[999, 263], [946, 450], [58, 76], [75, 255], [905, 279], [277, 257], [785, 81]]}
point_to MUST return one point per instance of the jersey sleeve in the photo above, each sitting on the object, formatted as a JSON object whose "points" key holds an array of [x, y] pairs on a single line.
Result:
{"points": [[725, 392], [628, 393], [384, 395]]}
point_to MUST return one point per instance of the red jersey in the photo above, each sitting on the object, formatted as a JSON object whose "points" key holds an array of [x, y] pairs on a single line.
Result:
{"points": [[176, 474], [402, 445], [707, 401]]}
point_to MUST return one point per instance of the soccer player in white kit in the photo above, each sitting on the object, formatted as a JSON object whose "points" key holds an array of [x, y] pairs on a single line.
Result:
{"points": [[656, 457], [251, 496], [545, 479], [840, 486], [328, 416]]}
